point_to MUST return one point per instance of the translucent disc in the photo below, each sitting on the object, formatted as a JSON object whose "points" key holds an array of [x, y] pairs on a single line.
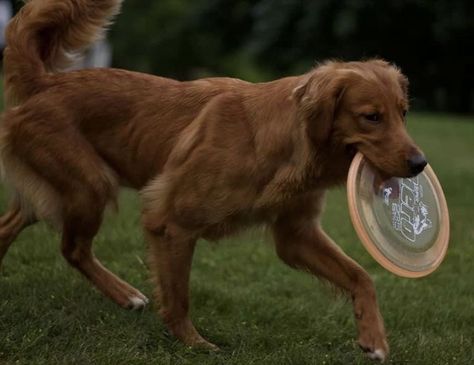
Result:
{"points": [[402, 222]]}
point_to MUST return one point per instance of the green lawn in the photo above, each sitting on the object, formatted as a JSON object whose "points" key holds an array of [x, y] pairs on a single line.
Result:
{"points": [[258, 310]]}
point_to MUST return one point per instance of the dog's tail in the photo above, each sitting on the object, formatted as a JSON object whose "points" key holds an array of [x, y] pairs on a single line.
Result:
{"points": [[43, 37]]}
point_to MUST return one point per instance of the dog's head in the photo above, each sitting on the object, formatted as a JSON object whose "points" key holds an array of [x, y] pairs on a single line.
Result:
{"points": [[361, 105]]}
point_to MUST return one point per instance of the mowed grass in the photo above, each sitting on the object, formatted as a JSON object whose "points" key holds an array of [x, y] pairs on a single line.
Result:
{"points": [[243, 298]]}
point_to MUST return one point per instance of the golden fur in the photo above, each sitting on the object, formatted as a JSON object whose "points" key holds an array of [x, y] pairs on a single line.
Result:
{"points": [[209, 156]]}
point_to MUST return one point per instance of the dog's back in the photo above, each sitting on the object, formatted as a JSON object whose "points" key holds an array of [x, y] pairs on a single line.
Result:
{"points": [[43, 38]]}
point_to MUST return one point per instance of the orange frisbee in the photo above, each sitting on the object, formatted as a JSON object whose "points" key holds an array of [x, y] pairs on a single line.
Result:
{"points": [[402, 222]]}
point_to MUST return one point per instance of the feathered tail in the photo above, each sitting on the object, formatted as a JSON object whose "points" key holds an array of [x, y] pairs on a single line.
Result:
{"points": [[42, 37]]}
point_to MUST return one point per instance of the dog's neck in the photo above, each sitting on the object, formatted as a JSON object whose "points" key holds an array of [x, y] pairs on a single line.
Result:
{"points": [[326, 163], [330, 165], [302, 166]]}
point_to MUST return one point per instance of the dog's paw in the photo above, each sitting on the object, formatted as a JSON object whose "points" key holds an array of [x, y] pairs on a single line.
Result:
{"points": [[204, 345], [375, 346], [136, 303], [378, 355]]}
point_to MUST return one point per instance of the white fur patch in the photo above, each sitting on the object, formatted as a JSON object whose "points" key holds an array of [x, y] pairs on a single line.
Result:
{"points": [[138, 303], [378, 354]]}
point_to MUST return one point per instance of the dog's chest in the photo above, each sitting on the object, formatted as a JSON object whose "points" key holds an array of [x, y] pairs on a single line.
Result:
{"points": [[265, 214]]}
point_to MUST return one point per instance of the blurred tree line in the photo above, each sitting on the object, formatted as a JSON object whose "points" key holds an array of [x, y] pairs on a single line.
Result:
{"points": [[431, 40]]}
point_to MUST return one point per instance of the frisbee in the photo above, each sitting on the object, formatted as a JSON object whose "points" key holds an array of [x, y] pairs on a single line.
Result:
{"points": [[402, 222]]}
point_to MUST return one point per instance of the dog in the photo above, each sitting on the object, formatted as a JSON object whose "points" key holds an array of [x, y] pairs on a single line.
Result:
{"points": [[209, 157]]}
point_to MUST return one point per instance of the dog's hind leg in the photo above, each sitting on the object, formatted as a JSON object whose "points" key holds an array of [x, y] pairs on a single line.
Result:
{"points": [[59, 173], [82, 217], [11, 224], [76, 247]]}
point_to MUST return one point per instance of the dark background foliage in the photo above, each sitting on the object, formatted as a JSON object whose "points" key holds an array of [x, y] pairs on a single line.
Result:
{"points": [[431, 40]]}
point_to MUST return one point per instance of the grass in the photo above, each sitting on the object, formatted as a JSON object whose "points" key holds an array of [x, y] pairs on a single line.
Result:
{"points": [[258, 310]]}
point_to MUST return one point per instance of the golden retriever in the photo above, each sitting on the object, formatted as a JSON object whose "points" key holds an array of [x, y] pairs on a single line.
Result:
{"points": [[209, 156]]}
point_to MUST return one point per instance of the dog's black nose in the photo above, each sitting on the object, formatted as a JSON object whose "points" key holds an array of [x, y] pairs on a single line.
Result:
{"points": [[416, 163]]}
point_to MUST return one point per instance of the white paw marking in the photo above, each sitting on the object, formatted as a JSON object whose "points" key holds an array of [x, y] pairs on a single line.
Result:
{"points": [[378, 354], [138, 303]]}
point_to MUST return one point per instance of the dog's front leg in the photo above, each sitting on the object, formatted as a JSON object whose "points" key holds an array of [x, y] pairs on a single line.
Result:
{"points": [[171, 253], [302, 244]]}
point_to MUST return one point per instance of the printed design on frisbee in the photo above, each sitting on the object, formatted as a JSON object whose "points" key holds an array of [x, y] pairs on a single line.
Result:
{"points": [[410, 213], [400, 211]]}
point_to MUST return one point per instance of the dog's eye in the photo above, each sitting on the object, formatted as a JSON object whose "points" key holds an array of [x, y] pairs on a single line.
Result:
{"points": [[373, 118]]}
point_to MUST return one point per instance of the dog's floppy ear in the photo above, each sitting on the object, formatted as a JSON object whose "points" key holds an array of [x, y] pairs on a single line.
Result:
{"points": [[404, 83], [402, 79], [317, 98]]}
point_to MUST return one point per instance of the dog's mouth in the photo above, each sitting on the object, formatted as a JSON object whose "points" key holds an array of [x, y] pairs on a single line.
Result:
{"points": [[351, 150]]}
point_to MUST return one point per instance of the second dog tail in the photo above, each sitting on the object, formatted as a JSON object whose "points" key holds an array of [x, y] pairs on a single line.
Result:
{"points": [[44, 35]]}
